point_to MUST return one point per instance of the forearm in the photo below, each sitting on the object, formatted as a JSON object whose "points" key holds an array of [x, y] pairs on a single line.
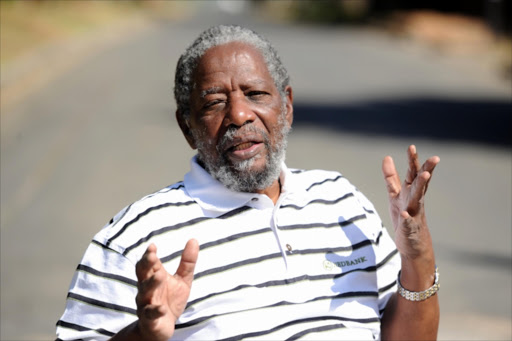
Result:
{"points": [[413, 320]]}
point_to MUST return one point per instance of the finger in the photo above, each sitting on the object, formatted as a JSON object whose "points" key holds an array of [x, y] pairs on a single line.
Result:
{"points": [[148, 264], [414, 165], [409, 226], [417, 193], [152, 312], [406, 217], [148, 289], [429, 166], [188, 261], [391, 176], [151, 274]]}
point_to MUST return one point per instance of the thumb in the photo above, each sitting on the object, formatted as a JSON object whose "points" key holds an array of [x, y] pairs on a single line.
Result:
{"points": [[188, 261]]}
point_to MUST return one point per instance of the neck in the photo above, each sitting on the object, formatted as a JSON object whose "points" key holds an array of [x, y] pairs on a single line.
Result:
{"points": [[273, 191]]}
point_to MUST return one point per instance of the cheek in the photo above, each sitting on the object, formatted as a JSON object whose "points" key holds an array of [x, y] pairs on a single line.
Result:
{"points": [[212, 133], [207, 130], [274, 123], [272, 115]]}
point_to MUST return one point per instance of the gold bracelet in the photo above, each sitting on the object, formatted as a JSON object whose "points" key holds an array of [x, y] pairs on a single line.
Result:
{"points": [[418, 295]]}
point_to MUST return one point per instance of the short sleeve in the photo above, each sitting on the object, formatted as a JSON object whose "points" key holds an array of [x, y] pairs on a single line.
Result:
{"points": [[387, 257], [101, 297]]}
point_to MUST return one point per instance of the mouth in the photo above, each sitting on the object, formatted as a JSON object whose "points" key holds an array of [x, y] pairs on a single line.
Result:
{"points": [[244, 149], [242, 146]]}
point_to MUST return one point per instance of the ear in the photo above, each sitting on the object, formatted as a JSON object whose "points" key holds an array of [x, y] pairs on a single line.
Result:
{"points": [[185, 129], [288, 92]]}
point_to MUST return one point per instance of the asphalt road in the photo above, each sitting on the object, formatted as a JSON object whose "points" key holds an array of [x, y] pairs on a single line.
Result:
{"points": [[102, 134]]}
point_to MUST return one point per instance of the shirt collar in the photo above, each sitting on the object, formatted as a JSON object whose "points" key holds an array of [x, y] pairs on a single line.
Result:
{"points": [[214, 197]]}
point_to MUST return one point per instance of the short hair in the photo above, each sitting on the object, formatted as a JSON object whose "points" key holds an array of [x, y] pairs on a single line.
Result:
{"points": [[220, 35]]}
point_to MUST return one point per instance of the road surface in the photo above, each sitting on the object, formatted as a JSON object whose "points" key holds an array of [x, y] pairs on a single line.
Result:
{"points": [[102, 134]]}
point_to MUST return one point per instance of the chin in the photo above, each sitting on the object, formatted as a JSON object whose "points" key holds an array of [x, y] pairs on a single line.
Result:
{"points": [[256, 164]]}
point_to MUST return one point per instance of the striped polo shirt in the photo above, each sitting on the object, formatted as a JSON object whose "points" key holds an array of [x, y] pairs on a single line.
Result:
{"points": [[316, 265]]}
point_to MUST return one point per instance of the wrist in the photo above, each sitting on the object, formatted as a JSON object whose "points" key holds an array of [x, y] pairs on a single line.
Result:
{"points": [[132, 332], [419, 274], [152, 330]]}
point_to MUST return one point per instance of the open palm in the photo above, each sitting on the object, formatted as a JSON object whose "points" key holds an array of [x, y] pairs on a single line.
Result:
{"points": [[406, 203]]}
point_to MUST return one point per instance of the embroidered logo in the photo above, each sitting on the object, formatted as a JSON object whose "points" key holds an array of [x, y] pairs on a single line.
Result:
{"points": [[328, 265]]}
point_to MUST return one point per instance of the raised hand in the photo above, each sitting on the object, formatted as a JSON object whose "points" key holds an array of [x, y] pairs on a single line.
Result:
{"points": [[162, 298], [405, 319], [406, 202]]}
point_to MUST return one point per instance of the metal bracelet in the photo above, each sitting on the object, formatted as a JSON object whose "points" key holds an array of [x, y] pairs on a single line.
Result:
{"points": [[418, 295]]}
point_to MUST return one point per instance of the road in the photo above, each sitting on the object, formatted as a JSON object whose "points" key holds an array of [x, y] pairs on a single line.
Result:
{"points": [[102, 134]]}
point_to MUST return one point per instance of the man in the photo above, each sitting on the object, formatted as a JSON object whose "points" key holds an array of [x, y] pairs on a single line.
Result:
{"points": [[285, 254]]}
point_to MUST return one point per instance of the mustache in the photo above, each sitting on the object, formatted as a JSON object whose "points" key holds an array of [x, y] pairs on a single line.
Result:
{"points": [[234, 132]]}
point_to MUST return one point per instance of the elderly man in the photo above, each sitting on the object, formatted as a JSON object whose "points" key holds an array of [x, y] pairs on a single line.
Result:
{"points": [[285, 253]]}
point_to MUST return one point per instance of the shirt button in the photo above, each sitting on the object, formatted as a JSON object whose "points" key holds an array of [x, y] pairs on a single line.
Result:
{"points": [[289, 247], [254, 199]]}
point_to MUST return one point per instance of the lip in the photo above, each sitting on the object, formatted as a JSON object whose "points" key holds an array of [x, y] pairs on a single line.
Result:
{"points": [[240, 149]]}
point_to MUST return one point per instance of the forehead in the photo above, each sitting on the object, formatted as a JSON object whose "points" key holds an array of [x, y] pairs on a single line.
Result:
{"points": [[235, 59]]}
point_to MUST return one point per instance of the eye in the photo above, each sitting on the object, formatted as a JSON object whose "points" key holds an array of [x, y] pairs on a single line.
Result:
{"points": [[213, 103], [257, 94]]}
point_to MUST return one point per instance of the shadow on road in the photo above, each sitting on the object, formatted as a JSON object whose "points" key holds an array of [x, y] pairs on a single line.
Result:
{"points": [[473, 121], [474, 258]]}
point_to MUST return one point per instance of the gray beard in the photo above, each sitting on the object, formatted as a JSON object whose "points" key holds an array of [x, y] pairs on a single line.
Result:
{"points": [[238, 176]]}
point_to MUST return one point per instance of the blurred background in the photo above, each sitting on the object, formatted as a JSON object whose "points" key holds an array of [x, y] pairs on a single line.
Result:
{"points": [[87, 127]]}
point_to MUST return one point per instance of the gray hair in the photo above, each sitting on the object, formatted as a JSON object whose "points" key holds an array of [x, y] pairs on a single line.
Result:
{"points": [[220, 35]]}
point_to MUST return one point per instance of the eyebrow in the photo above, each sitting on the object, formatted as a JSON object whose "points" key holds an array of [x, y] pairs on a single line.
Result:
{"points": [[217, 89], [209, 91]]}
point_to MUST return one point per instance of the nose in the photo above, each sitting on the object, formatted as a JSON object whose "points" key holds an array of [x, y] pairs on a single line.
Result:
{"points": [[239, 112]]}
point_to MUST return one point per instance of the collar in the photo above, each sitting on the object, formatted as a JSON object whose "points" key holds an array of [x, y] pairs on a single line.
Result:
{"points": [[216, 199]]}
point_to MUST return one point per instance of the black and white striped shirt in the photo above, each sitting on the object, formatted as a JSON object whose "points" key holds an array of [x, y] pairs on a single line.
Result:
{"points": [[317, 265]]}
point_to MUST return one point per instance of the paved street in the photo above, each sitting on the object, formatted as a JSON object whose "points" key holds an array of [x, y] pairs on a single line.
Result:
{"points": [[102, 134]]}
